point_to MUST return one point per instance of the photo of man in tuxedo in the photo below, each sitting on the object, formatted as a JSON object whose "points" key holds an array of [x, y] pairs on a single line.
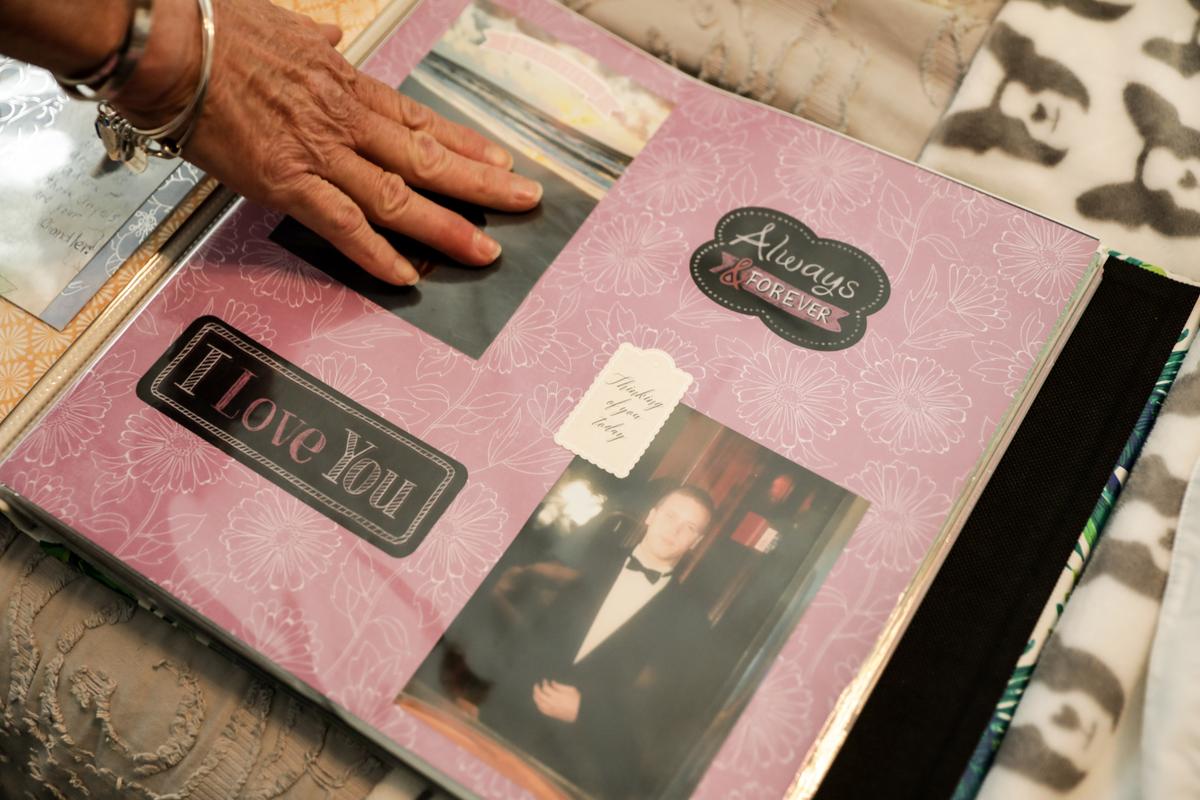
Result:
{"points": [[603, 677], [610, 649]]}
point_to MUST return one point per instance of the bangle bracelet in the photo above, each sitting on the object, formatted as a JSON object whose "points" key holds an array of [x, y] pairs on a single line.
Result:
{"points": [[125, 142], [116, 70]]}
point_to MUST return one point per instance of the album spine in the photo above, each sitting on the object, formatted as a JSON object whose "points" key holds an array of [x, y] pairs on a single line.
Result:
{"points": [[852, 699]]}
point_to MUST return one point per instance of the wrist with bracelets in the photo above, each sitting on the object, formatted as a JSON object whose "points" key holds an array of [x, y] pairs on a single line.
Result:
{"points": [[124, 141]]}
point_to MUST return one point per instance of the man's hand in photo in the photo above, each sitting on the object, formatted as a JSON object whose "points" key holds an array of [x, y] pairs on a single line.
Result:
{"points": [[557, 700]]}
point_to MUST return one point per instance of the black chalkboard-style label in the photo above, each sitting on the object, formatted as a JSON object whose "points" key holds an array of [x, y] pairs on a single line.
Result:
{"points": [[312, 441], [813, 292]]}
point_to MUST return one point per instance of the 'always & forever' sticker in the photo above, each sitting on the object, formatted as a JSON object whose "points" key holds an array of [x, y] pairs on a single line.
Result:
{"points": [[813, 292]]}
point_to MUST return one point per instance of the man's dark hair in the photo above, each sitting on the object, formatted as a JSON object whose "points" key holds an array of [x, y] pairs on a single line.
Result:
{"points": [[694, 492]]}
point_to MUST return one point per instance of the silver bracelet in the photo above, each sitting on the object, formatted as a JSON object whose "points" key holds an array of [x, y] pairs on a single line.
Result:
{"points": [[125, 142], [116, 70]]}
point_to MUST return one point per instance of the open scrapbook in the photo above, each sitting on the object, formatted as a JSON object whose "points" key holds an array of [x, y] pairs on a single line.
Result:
{"points": [[644, 508]]}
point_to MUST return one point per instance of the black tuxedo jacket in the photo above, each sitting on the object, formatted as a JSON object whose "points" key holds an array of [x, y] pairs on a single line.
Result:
{"points": [[642, 689]]}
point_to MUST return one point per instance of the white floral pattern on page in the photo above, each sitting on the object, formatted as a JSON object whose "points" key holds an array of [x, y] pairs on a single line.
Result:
{"points": [[786, 394], [196, 580], [369, 682], [679, 175], [971, 210], [493, 785], [905, 513], [911, 404], [709, 109], [163, 456], [274, 272], [1041, 258], [695, 310], [283, 635], [952, 305], [355, 379], [632, 255], [461, 549], [824, 174], [550, 403], [247, 318], [274, 541], [68, 428], [357, 586], [156, 541], [772, 724], [47, 490], [976, 299], [535, 337], [620, 324], [999, 362], [510, 448], [401, 727]]}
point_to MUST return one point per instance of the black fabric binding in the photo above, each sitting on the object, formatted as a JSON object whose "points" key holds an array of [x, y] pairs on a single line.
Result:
{"points": [[936, 695]]}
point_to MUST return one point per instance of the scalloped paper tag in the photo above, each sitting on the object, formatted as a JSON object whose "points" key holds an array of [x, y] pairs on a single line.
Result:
{"points": [[624, 409]]}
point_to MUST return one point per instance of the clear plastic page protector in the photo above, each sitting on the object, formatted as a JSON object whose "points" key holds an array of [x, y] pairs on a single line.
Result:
{"points": [[627, 512]]}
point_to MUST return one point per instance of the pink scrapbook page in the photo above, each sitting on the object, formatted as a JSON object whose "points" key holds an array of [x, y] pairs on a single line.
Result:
{"points": [[621, 515]]}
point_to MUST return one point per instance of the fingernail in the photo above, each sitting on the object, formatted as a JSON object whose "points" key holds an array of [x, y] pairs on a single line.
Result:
{"points": [[526, 191], [406, 274], [497, 155], [486, 246]]}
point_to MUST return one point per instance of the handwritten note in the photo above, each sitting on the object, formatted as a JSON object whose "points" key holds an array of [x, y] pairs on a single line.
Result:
{"points": [[61, 200], [626, 406]]}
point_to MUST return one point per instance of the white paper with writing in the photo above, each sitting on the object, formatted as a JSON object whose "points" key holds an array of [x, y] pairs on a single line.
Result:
{"points": [[626, 406], [61, 199]]}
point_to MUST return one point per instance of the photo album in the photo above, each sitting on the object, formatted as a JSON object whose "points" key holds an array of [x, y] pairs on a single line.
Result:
{"points": [[641, 509]]}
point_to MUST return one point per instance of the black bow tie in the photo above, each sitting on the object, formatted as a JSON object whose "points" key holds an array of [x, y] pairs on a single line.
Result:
{"points": [[652, 575]]}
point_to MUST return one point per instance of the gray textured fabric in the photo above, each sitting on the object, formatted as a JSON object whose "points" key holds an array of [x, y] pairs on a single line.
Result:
{"points": [[105, 700], [1087, 111], [879, 70]]}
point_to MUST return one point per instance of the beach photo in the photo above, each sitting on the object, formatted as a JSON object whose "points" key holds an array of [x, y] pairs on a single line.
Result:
{"points": [[571, 124]]}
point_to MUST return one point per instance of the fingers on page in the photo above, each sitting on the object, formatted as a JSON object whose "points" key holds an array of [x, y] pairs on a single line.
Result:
{"points": [[389, 202], [389, 103], [333, 215], [426, 163]]}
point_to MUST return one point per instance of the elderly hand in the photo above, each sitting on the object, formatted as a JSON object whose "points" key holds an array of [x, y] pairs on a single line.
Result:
{"points": [[557, 700], [290, 124]]}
